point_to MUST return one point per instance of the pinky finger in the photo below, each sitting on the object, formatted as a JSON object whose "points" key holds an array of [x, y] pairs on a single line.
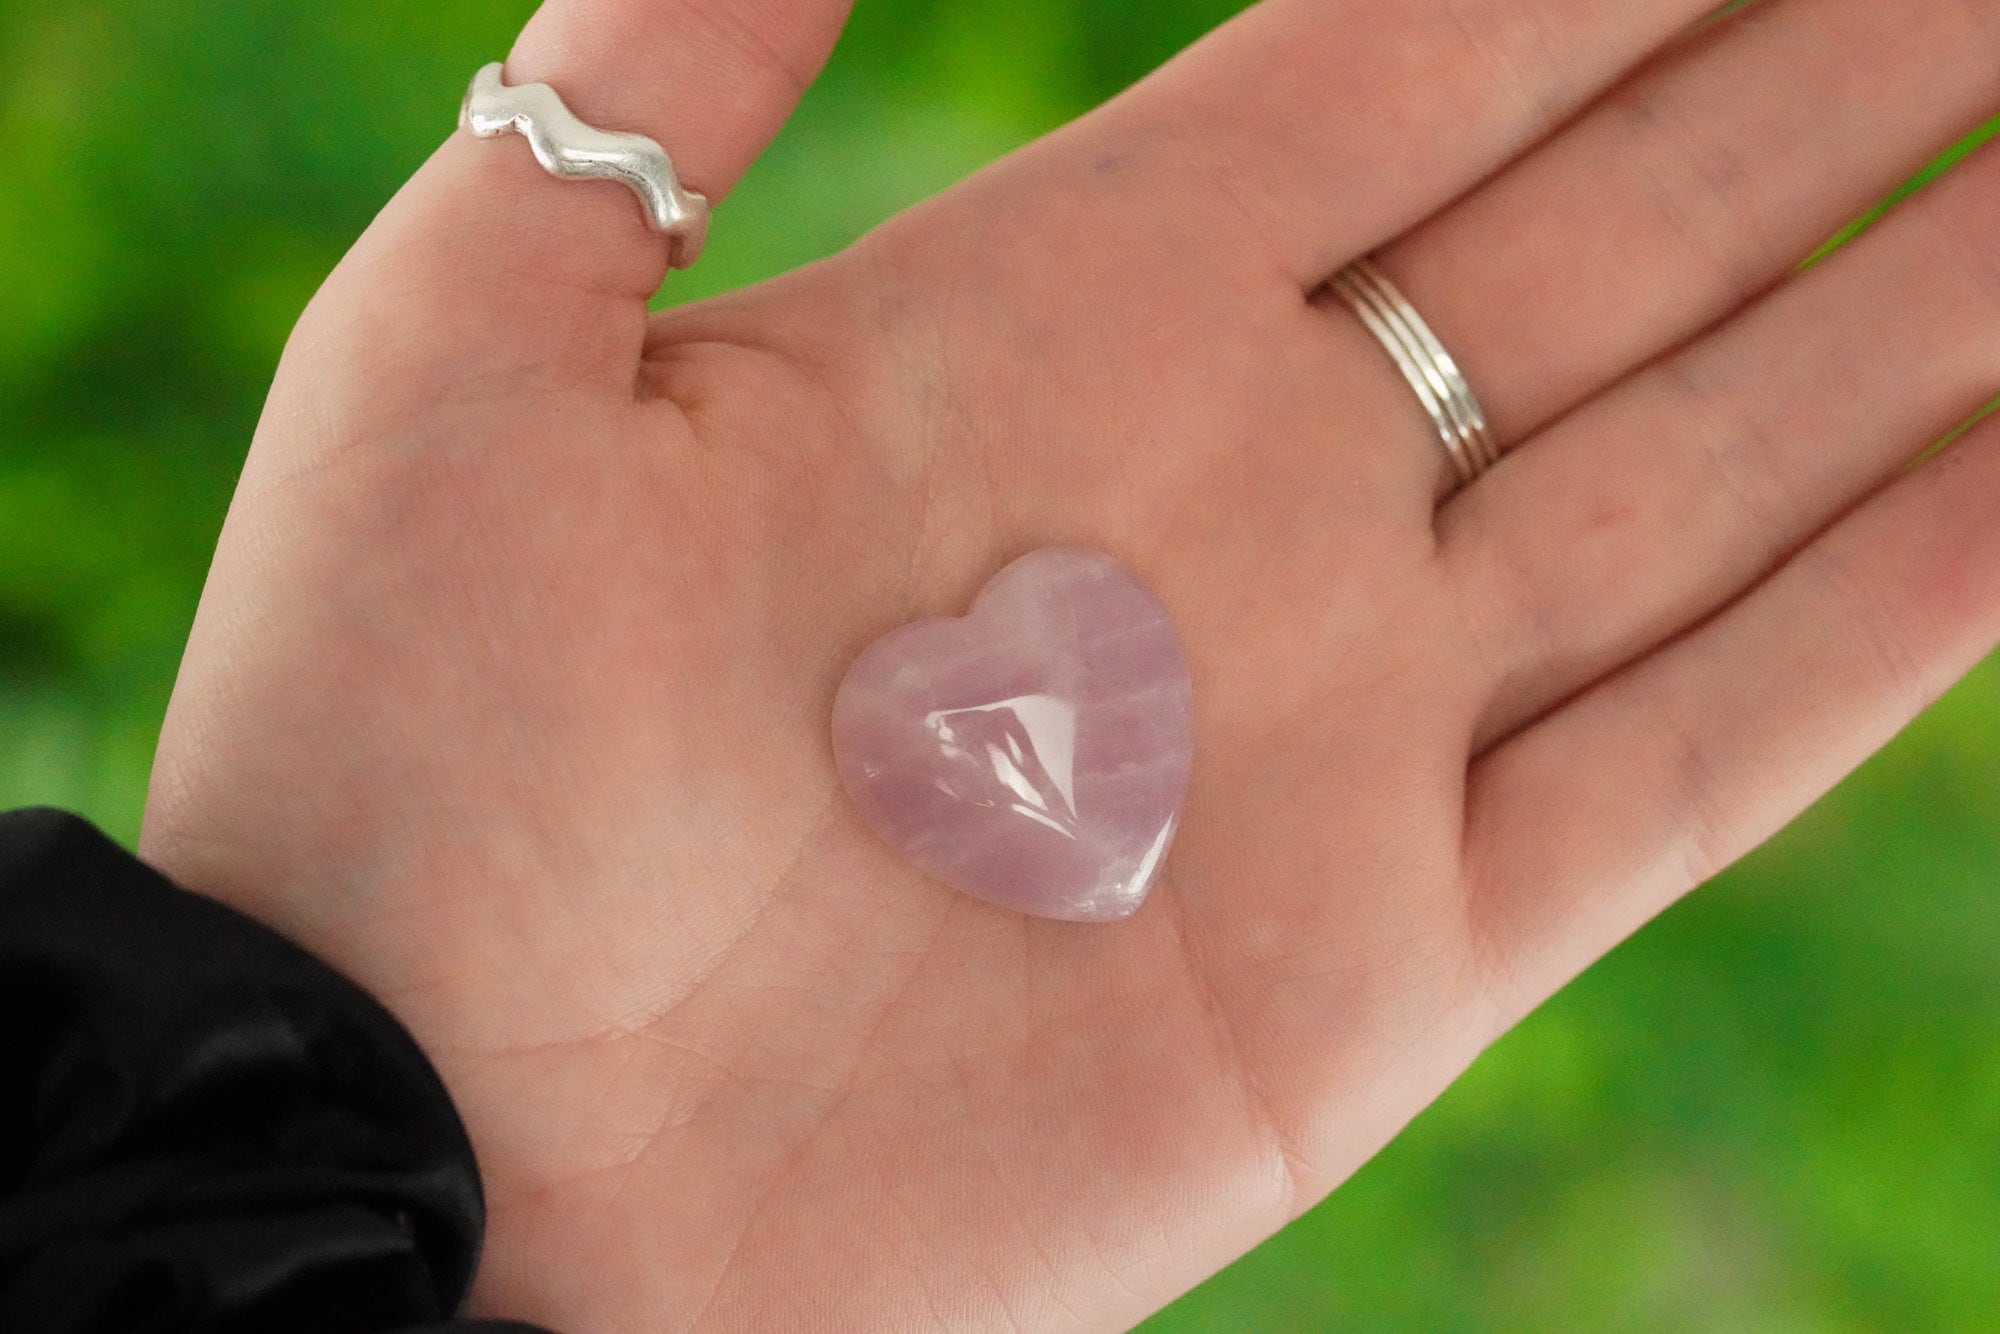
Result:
{"points": [[1588, 823]]}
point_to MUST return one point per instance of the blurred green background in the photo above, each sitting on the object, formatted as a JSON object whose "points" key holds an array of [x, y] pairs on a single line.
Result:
{"points": [[1778, 1109]]}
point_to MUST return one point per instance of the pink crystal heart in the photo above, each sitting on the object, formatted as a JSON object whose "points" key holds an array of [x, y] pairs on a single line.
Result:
{"points": [[1033, 752]]}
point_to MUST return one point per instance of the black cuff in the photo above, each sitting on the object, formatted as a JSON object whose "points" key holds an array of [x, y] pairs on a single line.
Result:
{"points": [[203, 1127]]}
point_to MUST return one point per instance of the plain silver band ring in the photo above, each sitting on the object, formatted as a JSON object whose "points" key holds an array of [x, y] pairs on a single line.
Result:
{"points": [[567, 147], [1453, 408]]}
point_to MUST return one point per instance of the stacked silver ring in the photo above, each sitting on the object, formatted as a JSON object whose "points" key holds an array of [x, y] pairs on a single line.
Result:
{"points": [[1440, 387]]}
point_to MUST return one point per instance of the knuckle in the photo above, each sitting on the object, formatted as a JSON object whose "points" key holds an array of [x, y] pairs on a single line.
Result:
{"points": [[1700, 185], [1871, 632], [1707, 841], [1737, 445]]}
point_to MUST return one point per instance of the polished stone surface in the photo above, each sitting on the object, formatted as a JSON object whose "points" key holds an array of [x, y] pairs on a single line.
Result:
{"points": [[1034, 752]]}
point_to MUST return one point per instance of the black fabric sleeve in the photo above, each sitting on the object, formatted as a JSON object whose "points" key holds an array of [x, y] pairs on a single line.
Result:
{"points": [[203, 1127]]}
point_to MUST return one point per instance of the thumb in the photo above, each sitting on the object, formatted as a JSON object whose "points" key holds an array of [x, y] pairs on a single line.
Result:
{"points": [[484, 255]]}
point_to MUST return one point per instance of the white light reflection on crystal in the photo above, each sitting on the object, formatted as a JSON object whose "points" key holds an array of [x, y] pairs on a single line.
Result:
{"points": [[1029, 745]]}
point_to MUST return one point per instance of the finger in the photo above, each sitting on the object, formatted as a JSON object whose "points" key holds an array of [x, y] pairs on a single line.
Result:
{"points": [[1692, 187], [493, 254], [1333, 127], [1587, 824], [1645, 510]]}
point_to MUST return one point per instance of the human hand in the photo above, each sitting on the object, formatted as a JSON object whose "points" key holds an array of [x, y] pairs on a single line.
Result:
{"points": [[509, 692]]}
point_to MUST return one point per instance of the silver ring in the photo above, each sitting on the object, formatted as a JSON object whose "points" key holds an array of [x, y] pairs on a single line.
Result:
{"points": [[1440, 386], [567, 147]]}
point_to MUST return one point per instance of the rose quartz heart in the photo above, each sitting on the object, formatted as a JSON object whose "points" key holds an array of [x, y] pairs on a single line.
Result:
{"points": [[1034, 752]]}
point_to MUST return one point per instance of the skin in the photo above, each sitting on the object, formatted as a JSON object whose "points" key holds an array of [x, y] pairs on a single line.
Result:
{"points": [[509, 691]]}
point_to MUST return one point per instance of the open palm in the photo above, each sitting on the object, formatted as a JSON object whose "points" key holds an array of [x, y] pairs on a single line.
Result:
{"points": [[509, 693]]}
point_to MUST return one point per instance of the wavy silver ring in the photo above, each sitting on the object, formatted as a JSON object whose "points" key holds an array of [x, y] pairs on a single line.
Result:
{"points": [[1431, 371], [567, 147]]}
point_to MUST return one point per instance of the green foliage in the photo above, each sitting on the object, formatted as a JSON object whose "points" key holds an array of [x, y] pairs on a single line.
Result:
{"points": [[1777, 1109]]}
